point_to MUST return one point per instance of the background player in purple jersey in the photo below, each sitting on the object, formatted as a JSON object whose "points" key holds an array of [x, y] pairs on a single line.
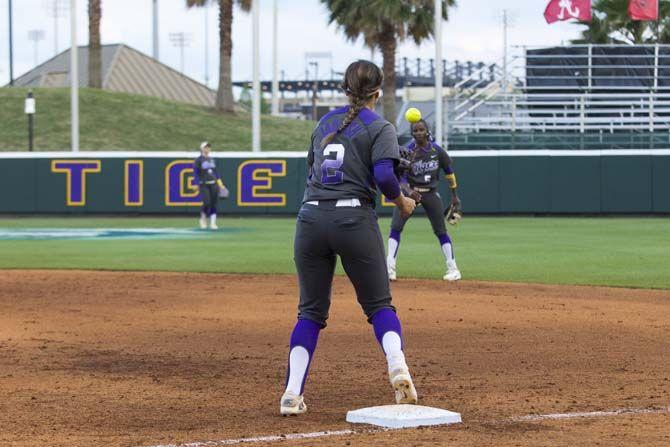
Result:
{"points": [[353, 151], [420, 183], [209, 182]]}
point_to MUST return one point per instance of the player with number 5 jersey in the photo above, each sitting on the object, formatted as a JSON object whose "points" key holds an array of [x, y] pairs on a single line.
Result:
{"points": [[353, 151]]}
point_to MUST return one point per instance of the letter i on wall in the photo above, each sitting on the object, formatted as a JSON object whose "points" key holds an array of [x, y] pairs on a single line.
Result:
{"points": [[133, 183]]}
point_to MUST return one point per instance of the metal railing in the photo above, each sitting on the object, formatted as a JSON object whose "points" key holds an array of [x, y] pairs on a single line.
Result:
{"points": [[579, 88], [422, 72]]}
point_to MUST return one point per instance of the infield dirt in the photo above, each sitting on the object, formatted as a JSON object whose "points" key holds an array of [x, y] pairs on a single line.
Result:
{"points": [[140, 359]]}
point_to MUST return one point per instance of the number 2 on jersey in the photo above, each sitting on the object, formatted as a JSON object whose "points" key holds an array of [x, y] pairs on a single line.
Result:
{"points": [[330, 168]]}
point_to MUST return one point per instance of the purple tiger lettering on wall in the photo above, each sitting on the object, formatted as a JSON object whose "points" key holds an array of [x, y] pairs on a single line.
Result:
{"points": [[254, 180], [76, 172], [133, 183], [180, 186]]}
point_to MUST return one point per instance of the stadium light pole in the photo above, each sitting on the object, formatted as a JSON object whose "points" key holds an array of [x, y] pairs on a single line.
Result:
{"points": [[11, 47], [206, 8], [275, 62], [155, 29], [55, 9], [74, 78], [505, 24], [36, 35], [256, 103], [438, 72]]}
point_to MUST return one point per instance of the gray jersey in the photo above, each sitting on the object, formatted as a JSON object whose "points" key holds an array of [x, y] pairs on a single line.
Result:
{"points": [[205, 170], [426, 164], [344, 168]]}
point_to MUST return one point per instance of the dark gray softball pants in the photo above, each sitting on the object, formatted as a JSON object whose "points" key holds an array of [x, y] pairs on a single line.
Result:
{"points": [[432, 203], [325, 231]]}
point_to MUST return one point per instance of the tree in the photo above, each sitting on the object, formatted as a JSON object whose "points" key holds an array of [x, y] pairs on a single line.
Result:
{"points": [[94, 49], [224, 94], [611, 24], [383, 24]]}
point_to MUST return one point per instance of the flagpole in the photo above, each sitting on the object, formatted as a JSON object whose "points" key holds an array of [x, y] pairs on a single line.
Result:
{"points": [[658, 21]]}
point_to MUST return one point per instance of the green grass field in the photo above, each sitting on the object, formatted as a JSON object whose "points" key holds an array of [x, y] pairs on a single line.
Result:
{"points": [[109, 121], [632, 252]]}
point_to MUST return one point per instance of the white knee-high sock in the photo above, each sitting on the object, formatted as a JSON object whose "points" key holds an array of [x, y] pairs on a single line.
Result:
{"points": [[392, 250], [298, 363], [448, 252], [393, 349]]}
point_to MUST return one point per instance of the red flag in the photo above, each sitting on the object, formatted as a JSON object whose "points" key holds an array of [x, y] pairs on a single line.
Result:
{"points": [[643, 9], [567, 10]]}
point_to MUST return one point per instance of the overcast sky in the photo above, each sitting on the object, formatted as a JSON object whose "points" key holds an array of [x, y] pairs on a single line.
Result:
{"points": [[473, 32]]}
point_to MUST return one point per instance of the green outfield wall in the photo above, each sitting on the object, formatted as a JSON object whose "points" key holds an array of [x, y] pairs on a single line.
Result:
{"points": [[544, 181]]}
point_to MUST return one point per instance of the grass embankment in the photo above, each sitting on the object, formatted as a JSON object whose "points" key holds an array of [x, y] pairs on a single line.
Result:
{"points": [[631, 252], [120, 121]]}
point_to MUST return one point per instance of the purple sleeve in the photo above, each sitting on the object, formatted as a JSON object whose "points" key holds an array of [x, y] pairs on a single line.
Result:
{"points": [[386, 179]]}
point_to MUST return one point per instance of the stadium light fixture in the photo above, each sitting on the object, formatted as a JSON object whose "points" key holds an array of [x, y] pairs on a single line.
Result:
{"points": [[55, 9], [36, 35], [180, 40]]}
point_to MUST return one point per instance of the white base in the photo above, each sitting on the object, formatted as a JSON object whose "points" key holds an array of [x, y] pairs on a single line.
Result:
{"points": [[402, 416]]}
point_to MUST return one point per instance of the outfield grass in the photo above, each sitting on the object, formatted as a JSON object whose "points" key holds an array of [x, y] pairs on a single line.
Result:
{"points": [[633, 252], [121, 121]]}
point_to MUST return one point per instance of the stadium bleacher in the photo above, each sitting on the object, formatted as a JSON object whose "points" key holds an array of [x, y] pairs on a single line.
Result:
{"points": [[570, 97]]}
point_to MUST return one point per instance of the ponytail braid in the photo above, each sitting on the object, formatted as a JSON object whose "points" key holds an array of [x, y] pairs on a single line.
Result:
{"points": [[362, 81], [355, 107]]}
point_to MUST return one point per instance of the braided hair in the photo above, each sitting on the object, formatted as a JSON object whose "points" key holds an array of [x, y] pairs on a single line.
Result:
{"points": [[362, 81]]}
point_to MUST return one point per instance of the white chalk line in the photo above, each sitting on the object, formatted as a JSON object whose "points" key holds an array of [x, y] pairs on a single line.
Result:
{"points": [[317, 434], [325, 434], [590, 414]]}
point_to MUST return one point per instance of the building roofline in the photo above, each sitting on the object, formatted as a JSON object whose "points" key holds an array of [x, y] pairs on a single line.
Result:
{"points": [[58, 55]]}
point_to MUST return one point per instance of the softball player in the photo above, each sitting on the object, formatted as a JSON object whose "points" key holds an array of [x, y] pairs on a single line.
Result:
{"points": [[353, 151], [209, 182], [420, 183]]}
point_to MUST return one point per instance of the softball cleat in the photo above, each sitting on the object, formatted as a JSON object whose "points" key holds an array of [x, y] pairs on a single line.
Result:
{"points": [[453, 274], [292, 405], [405, 393]]}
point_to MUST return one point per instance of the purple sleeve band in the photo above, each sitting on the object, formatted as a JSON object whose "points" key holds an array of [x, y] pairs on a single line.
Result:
{"points": [[444, 239], [386, 179], [305, 334], [386, 320]]}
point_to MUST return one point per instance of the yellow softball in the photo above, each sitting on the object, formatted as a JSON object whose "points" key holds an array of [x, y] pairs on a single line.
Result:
{"points": [[413, 115]]}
